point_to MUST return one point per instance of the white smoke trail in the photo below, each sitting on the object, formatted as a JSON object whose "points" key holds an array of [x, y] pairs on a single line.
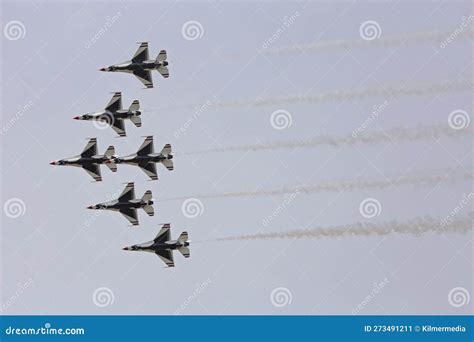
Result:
{"points": [[385, 40], [398, 134], [414, 226], [390, 91], [343, 185]]}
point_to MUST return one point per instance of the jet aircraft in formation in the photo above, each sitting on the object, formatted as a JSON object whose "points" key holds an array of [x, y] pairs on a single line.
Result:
{"points": [[90, 161], [127, 204], [141, 65], [114, 115], [163, 246]]}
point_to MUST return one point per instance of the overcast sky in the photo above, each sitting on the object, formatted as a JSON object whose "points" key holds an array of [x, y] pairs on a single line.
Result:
{"points": [[59, 258]]}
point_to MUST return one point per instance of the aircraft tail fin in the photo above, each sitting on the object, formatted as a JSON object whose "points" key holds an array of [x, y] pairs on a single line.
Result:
{"points": [[162, 56], [149, 210], [185, 251], [136, 120], [166, 149], [183, 237], [134, 106], [109, 153], [168, 163], [147, 196]]}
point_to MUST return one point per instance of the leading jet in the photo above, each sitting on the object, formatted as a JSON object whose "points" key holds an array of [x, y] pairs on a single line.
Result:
{"points": [[141, 65], [127, 204], [90, 161], [145, 158], [163, 246], [114, 116]]}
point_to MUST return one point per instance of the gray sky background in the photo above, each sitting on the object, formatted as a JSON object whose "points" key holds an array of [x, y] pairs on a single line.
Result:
{"points": [[65, 252]]}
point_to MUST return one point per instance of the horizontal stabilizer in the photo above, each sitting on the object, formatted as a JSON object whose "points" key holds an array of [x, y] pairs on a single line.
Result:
{"points": [[185, 251], [149, 210], [166, 149], [183, 237], [147, 196], [164, 71], [111, 165], [110, 151], [168, 163], [134, 106], [161, 56], [136, 120]]}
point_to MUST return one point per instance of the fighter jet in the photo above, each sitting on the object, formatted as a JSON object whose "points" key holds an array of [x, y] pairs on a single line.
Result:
{"points": [[90, 161], [146, 158], [163, 246], [114, 115], [127, 204], [141, 66]]}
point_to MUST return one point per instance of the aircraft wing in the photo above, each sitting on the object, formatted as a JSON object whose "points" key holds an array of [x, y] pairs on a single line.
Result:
{"points": [[128, 193], [146, 147], [149, 169], [131, 215], [141, 54], [119, 127], [94, 171], [115, 102], [164, 234], [167, 256], [90, 149], [145, 77]]}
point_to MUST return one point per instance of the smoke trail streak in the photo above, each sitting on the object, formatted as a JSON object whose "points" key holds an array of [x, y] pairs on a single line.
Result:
{"points": [[414, 226], [338, 186], [386, 40], [387, 90], [398, 134]]}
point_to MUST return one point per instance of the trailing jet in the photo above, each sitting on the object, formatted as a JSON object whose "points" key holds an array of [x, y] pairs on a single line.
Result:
{"points": [[141, 66], [163, 246], [127, 204], [114, 115], [146, 158], [90, 161]]}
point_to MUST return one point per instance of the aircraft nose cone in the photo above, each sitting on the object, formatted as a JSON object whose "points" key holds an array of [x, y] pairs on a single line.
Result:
{"points": [[90, 207], [102, 69], [77, 118], [125, 249], [52, 163]]}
